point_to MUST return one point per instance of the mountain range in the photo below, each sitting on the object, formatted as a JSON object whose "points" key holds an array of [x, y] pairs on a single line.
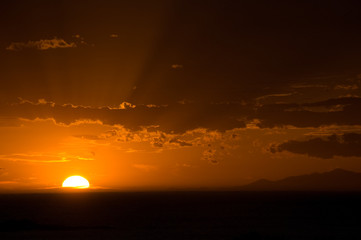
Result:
{"points": [[335, 180]]}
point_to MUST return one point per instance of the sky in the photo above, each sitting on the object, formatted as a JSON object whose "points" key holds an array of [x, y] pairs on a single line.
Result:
{"points": [[177, 94]]}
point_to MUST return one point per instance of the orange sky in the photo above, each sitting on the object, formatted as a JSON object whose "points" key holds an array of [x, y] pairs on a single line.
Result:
{"points": [[41, 153]]}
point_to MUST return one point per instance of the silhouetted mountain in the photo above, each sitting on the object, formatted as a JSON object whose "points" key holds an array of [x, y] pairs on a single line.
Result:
{"points": [[335, 180]]}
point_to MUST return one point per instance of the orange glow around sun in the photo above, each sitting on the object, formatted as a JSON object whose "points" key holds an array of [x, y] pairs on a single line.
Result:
{"points": [[76, 182]]}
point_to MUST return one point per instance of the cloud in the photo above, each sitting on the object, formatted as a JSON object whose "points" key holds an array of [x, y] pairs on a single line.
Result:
{"points": [[346, 87], [214, 145], [275, 95], [156, 138], [8, 182], [345, 145], [177, 66], [167, 118], [180, 142], [308, 86], [41, 101], [43, 44], [187, 116], [145, 167], [210, 156], [338, 111], [43, 158], [125, 105]]}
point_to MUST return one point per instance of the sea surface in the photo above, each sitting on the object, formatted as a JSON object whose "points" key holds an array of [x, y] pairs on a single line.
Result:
{"points": [[181, 215]]}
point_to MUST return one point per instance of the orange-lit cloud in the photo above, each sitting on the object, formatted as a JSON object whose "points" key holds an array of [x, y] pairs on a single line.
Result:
{"points": [[177, 66], [347, 87], [275, 95], [43, 44]]}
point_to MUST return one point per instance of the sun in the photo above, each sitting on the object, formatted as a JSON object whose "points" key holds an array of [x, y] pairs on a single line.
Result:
{"points": [[76, 182]]}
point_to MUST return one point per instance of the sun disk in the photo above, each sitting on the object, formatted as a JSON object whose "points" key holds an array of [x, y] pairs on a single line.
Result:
{"points": [[76, 182]]}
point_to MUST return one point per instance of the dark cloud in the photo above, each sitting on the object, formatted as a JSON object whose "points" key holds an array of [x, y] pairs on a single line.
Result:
{"points": [[182, 117], [340, 111], [346, 145], [172, 118]]}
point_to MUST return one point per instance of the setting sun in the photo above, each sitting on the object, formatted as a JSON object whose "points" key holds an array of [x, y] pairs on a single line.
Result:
{"points": [[76, 182]]}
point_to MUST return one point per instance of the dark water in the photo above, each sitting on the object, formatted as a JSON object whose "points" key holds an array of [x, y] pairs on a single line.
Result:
{"points": [[181, 215]]}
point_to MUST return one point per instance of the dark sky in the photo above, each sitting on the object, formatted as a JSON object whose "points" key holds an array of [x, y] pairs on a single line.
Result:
{"points": [[230, 51]]}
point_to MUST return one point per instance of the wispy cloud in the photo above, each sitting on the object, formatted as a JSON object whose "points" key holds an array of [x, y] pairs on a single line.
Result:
{"points": [[308, 86], [7, 182], [43, 158], [275, 95], [145, 167], [177, 66], [347, 87], [43, 44]]}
